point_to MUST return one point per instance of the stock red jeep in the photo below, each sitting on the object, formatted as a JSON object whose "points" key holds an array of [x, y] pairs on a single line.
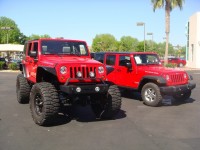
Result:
{"points": [[143, 72], [58, 73]]}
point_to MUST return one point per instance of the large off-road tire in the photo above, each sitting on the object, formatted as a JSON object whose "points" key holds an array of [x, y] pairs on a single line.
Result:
{"points": [[44, 103], [107, 106], [22, 89], [182, 96], [151, 95]]}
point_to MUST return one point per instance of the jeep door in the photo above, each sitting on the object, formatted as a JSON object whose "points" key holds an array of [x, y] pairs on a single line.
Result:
{"points": [[30, 61], [123, 73]]}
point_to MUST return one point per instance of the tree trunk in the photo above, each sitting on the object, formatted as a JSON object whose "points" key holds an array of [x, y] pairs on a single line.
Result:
{"points": [[167, 29]]}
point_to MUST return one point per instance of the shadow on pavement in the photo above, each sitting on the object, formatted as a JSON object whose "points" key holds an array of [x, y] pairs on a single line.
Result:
{"points": [[81, 114]]}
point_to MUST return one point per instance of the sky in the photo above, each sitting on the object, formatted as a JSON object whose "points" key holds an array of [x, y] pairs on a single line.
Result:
{"points": [[84, 19]]}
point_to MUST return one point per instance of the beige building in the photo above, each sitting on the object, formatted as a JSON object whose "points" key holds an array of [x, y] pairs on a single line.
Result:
{"points": [[193, 44], [11, 50]]}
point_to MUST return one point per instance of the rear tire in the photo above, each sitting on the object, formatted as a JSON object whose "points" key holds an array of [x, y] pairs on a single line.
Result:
{"points": [[151, 95], [22, 89], [44, 103], [108, 105]]}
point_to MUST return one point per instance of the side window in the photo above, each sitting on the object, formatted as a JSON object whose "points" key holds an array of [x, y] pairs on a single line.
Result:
{"points": [[99, 57], [110, 60], [123, 60], [25, 49], [35, 47], [29, 48]]}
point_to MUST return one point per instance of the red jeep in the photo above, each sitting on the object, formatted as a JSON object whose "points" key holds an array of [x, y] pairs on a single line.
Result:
{"points": [[143, 72], [58, 73]]}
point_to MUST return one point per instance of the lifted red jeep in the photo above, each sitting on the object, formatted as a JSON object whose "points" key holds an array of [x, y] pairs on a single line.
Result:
{"points": [[57, 73], [143, 72]]}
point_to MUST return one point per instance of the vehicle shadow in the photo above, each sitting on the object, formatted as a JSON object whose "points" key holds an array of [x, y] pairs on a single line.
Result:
{"points": [[131, 94], [85, 114], [167, 100], [179, 102], [80, 114]]}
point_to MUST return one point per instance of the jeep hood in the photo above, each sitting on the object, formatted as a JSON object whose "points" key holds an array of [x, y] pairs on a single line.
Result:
{"points": [[52, 61], [158, 70]]}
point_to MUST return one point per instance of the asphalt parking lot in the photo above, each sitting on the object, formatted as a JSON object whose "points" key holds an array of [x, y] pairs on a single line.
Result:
{"points": [[173, 126]]}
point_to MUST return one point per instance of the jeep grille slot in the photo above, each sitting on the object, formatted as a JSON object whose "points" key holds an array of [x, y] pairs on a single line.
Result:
{"points": [[177, 78], [84, 70]]}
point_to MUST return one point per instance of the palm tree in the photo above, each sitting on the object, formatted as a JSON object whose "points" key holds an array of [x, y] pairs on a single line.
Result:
{"points": [[169, 5]]}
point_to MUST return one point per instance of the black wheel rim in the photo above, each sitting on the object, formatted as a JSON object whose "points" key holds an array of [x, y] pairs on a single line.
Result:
{"points": [[38, 104]]}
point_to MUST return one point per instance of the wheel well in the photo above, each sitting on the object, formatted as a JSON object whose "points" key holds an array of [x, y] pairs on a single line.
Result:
{"points": [[144, 81], [43, 75]]}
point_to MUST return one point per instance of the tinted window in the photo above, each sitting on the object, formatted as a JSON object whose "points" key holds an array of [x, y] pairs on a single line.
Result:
{"points": [[110, 60], [123, 60], [99, 57], [64, 47]]}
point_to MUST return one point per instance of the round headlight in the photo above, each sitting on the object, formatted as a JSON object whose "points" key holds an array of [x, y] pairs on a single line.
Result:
{"points": [[79, 74], [63, 70], [185, 76], [91, 74], [167, 77], [100, 69]]}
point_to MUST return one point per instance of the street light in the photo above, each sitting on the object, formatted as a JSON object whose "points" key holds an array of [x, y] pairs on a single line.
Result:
{"points": [[7, 29], [142, 24], [151, 33]]}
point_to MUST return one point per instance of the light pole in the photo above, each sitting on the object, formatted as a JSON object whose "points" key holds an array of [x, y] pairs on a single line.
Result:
{"points": [[142, 24], [151, 33], [7, 29]]}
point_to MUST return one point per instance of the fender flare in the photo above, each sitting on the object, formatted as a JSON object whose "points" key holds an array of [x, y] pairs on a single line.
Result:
{"points": [[157, 79], [109, 69]]}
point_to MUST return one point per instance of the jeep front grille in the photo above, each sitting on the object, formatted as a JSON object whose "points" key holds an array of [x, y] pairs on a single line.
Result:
{"points": [[177, 78], [84, 70]]}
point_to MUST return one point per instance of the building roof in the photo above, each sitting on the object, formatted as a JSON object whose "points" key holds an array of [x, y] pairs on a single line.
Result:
{"points": [[11, 48]]}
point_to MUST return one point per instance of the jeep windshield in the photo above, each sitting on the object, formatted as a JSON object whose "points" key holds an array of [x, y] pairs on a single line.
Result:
{"points": [[146, 59], [63, 48]]}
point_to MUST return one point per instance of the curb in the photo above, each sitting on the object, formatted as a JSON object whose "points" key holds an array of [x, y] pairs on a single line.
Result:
{"points": [[9, 71]]}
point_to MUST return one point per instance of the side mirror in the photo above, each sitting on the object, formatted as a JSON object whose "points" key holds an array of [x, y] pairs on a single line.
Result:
{"points": [[33, 54], [129, 66]]}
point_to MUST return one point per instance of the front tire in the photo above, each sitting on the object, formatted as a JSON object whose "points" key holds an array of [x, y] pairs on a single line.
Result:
{"points": [[151, 95], [44, 103], [108, 105], [22, 89]]}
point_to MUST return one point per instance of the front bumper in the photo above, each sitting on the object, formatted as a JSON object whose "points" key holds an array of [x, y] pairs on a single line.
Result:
{"points": [[170, 90], [84, 89]]}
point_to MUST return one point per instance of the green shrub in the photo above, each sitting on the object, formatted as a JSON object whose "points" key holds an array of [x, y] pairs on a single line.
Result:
{"points": [[13, 66], [171, 65], [2, 65]]}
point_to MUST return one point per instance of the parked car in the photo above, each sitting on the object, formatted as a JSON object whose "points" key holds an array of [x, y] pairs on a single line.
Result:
{"points": [[16, 61], [178, 61], [4, 62]]}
